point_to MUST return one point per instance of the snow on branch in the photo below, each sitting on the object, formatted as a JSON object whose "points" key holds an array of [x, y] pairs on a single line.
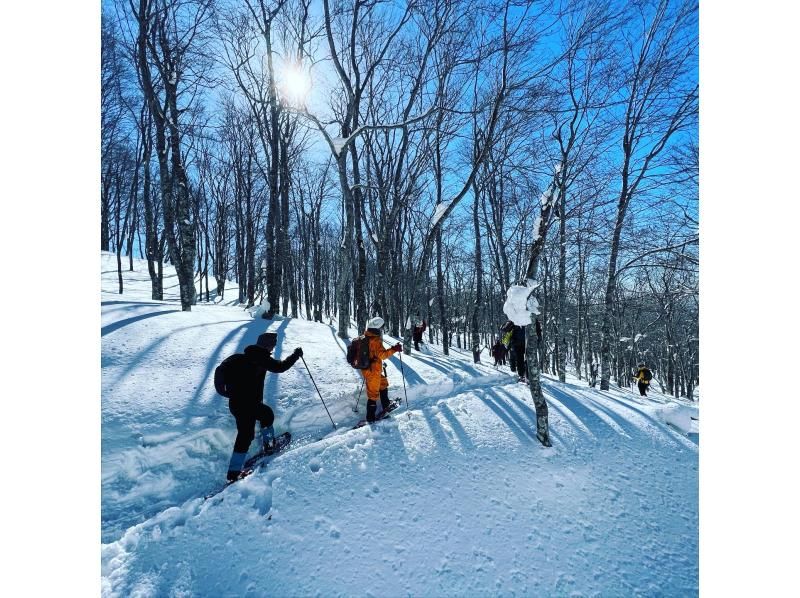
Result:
{"points": [[439, 213]]}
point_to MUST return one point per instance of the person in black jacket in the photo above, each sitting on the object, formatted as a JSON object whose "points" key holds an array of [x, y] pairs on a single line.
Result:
{"points": [[245, 390], [518, 343], [514, 338]]}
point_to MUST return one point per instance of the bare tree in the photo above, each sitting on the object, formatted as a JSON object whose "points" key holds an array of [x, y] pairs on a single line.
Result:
{"points": [[167, 35], [660, 100]]}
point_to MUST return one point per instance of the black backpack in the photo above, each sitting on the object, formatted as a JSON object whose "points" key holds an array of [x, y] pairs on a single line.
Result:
{"points": [[229, 373], [648, 375], [358, 353]]}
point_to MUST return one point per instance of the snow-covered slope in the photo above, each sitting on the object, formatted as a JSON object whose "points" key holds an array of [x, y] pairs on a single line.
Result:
{"points": [[452, 496]]}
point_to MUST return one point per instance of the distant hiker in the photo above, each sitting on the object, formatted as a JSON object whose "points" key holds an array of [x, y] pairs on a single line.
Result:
{"points": [[643, 376], [507, 331], [375, 376], [593, 374], [499, 353], [241, 378], [419, 329]]}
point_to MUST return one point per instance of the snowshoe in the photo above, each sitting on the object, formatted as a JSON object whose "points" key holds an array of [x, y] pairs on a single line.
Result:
{"points": [[391, 407], [278, 444], [254, 462], [382, 415]]}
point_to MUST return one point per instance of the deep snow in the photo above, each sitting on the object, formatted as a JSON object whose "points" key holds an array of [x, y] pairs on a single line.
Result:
{"points": [[452, 496]]}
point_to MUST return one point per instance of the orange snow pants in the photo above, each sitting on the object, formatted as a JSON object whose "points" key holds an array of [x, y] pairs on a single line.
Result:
{"points": [[375, 381]]}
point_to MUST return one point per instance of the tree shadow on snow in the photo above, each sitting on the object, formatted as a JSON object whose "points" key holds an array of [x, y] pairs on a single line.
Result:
{"points": [[104, 303], [458, 429], [411, 376], [271, 383], [572, 410], [510, 417], [109, 328], [141, 355], [339, 341], [448, 367], [587, 406]]}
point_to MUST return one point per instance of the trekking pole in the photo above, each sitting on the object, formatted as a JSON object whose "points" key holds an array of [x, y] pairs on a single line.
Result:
{"points": [[403, 373], [318, 392], [358, 399]]}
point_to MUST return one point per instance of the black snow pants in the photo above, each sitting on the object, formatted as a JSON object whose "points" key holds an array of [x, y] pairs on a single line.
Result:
{"points": [[246, 415], [521, 365], [643, 388]]}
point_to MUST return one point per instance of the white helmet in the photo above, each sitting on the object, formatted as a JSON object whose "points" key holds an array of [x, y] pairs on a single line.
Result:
{"points": [[376, 322]]}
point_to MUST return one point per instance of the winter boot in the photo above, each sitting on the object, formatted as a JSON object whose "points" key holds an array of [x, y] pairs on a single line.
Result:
{"points": [[235, 466], [371, 408], [385, 399], [268, 439]]}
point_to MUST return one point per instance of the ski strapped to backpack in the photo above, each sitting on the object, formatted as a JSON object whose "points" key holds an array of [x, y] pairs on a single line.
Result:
{"points": [[358, 353]]}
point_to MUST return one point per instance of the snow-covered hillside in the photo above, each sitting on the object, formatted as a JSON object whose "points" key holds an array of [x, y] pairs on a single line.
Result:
{"points": [[450, 497]]}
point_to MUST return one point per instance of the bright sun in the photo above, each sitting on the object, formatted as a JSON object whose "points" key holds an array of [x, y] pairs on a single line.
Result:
{"points": [[296, 84]]}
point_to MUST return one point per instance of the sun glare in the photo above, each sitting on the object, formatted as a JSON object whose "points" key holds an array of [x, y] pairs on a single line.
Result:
{"points": [[296, 84]]}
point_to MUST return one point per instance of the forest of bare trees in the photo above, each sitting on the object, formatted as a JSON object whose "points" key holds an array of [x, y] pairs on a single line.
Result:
{"points": [[413, 160]]}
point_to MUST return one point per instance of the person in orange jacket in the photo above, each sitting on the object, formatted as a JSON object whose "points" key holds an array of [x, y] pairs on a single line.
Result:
{"points": [[375, 376]]}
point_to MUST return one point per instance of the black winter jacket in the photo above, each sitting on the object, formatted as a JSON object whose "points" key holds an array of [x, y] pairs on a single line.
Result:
{"points": [[248, 386]]}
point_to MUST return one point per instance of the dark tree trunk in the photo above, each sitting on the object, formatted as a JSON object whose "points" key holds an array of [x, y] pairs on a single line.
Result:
{"points": [[345, 270], [476, 340], [561, 332], [443, 320]]}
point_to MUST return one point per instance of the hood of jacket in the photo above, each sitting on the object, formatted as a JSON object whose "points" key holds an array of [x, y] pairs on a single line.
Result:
{"points": [[256, 351]]}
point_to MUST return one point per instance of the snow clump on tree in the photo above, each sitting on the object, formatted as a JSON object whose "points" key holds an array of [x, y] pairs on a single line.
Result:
{"points": [[520, 304]]}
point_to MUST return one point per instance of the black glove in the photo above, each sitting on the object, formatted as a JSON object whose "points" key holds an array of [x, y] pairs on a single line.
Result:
{"points": [[398, 347], [298, 352]]}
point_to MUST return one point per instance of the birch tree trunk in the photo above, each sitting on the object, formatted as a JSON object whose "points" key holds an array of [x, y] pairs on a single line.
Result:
{"points": [[532, 340]]}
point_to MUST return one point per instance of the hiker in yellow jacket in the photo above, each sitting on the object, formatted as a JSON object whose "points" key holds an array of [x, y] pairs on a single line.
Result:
{"points": [[643, 377]]}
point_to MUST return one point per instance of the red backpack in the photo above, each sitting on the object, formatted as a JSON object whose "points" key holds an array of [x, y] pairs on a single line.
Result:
{"points": [[358, 353]]}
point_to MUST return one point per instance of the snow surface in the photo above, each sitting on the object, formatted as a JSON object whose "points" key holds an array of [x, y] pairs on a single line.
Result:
{"points": [[682, 417], [450, 497]]}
